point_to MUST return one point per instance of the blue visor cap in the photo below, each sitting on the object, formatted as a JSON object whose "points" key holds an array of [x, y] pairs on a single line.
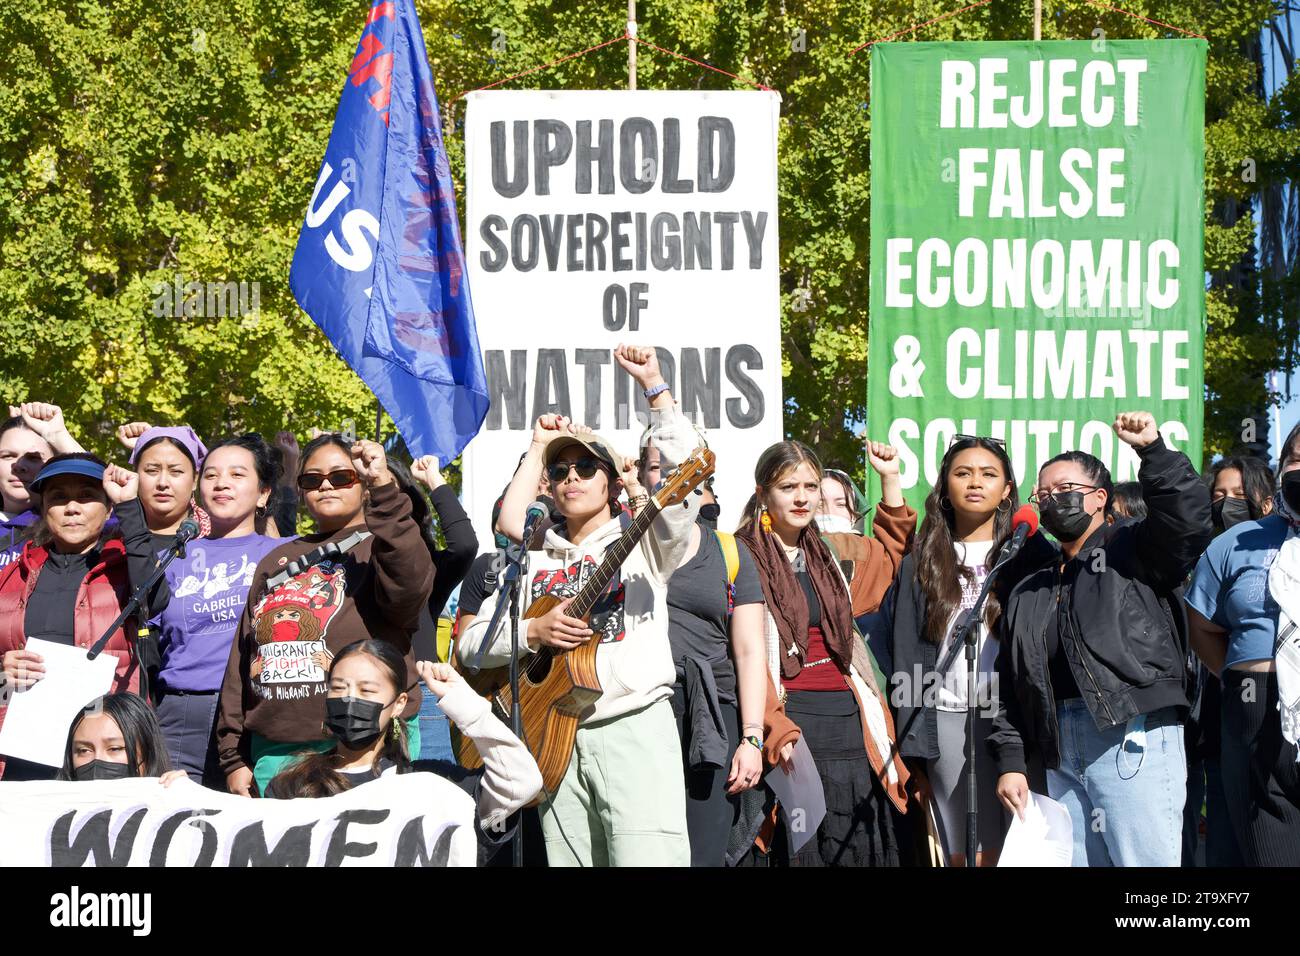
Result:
{"points": [[71, 466]]}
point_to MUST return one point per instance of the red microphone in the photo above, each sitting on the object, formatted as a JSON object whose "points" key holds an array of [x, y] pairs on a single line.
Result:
{"points": [[1027, 516], [1023, 523]]}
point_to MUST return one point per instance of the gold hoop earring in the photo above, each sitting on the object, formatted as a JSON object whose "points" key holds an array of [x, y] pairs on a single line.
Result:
{"points": [[945, 504], [1002, 510]]}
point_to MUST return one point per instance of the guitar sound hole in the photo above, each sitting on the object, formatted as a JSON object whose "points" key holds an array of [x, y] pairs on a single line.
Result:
{"points": [[539, 667]]}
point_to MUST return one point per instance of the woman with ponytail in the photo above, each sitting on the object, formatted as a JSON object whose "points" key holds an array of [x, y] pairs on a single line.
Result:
{"points": [[367, 694], [820, 667], [967, 521]]}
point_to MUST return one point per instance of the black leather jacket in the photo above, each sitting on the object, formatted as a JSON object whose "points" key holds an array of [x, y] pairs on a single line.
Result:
{"points": [[1125, 632]]}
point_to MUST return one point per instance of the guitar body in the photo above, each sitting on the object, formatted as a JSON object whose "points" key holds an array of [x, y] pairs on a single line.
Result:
{"points": [[555, 691], [558, 688]]}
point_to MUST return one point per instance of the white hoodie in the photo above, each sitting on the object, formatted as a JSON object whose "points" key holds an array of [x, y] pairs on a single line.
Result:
{"points": [[634, 662]]}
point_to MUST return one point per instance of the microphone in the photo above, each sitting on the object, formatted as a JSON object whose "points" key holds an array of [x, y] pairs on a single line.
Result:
{"points": [[539, 509], [1023, 524], [187, 532]]}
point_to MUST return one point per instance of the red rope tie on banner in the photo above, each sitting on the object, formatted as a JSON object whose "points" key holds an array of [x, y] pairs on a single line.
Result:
{"points": [[1138, 16], [709, 66], [915, 27]]}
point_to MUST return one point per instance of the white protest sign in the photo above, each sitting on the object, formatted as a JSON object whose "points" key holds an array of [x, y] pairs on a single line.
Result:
{"points": [[414, 819], [37, 720], [600, 217]]}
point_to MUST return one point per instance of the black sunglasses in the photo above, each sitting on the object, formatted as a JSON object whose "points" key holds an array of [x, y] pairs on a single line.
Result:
{"points": [[585, 467], [343, 478]]}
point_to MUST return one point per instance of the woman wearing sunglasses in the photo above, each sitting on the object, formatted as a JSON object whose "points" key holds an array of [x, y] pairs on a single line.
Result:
{"points": [[967, 521], [209, 587], [622, 801], [364, 574]]}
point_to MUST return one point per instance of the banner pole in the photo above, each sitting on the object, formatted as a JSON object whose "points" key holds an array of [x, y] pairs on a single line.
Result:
{"points": [[1038, 20], [631, 44]]}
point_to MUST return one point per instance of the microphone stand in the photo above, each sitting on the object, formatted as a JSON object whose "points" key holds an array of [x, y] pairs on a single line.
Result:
{"points": [[137, 599], [515, 569], [965, 634]]}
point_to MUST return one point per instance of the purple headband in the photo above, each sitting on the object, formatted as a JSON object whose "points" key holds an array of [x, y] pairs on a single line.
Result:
{"points": [[181, 434]]}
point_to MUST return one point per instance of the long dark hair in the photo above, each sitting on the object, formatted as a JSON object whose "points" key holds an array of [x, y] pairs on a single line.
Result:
{"points": [[314, 774], [146, 750], [1257, 481], [937, 572], [420, 510], [775, 463]]}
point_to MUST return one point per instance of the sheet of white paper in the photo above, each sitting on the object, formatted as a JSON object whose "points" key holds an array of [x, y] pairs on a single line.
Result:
{"points": [[803, 802], [36, 724], [1045, 837]]}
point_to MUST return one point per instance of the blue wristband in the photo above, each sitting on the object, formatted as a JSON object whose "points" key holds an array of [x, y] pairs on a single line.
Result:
{"points": [[650, 393]]}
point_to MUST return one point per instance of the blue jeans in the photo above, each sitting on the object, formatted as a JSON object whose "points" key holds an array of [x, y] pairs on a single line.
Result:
{"points": [[1125, 794], [435, 734]]}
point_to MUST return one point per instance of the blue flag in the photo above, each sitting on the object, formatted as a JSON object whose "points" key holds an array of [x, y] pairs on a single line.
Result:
{"points": [[379, 264]]}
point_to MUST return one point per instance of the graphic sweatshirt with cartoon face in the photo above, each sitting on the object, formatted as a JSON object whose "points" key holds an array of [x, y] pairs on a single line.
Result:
{"points": [[275, 682], [634, 661]]}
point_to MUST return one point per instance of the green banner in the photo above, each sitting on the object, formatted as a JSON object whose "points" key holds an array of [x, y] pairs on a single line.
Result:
{"points": [[1037, 228]]}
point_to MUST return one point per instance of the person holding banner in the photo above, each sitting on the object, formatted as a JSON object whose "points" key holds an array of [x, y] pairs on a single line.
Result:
{"points": [[818, 663], [622, 800], [365, 573], [1243, 608], [116, 736], [1092, 655], [968, 520], [209, 586], [69, 585], [365, 696]]}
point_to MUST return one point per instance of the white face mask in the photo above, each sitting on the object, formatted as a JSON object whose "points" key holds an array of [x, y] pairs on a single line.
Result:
{"points": [[834, 524]]}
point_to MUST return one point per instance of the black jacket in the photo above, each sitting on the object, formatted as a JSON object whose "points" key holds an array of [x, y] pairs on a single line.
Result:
{"points": [[914, 682], [1126, 633]]}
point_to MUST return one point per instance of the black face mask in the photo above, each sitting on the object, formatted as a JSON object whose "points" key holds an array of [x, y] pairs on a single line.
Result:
{"points": [[353, 720], [101, 770], [1227, 512], [1291, 490], [709, 516], [1064, 516]]}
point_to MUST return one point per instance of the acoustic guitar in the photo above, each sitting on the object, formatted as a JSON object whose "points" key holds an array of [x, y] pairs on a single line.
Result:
{"points": [[558, 688]]}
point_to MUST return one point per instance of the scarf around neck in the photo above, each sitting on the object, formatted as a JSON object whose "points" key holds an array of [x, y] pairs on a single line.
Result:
{"points": [[786, 600]]}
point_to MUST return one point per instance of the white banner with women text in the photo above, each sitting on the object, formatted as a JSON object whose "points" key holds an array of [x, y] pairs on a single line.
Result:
{"points": [[416, 819]]}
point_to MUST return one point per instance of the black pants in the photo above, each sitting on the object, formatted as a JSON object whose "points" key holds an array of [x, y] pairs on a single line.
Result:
{"points": [[859, 828], [710, 810], [1260, 776]]}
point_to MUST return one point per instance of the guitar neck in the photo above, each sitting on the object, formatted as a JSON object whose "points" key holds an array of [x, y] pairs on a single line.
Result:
{"points": [[615, 555]]}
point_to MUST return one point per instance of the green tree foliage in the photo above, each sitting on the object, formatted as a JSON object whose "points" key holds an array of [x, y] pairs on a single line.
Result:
{"points": [[146, 140]]}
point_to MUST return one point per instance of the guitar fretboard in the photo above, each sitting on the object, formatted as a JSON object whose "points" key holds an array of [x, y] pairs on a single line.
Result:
{"points": [[615, 555]]}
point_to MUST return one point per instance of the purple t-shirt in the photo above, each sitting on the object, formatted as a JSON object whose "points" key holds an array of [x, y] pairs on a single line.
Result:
{"points": [[209, 587], [13, 534]]}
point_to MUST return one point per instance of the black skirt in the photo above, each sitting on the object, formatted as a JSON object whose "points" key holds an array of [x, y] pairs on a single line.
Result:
{"points": [[859, 826]]}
